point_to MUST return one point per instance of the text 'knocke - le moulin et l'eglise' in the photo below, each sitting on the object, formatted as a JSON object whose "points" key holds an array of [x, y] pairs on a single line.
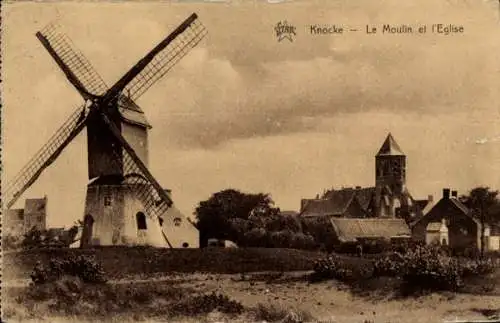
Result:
{"points": [[444, 29]]}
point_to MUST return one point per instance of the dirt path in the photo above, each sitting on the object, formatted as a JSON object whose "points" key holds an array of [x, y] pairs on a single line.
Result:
{"points": [[326, 301]]}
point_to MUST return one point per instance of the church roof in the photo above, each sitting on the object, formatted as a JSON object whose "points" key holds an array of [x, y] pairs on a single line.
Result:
{"points": [[131, 112], [390, 148], [336, 202]]}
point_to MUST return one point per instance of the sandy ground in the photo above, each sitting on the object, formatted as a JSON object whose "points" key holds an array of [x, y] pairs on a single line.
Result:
{"points": [[331, 302], [326, 301]]}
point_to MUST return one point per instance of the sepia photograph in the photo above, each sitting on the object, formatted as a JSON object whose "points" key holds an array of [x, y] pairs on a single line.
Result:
{"points": [[250, 161]]}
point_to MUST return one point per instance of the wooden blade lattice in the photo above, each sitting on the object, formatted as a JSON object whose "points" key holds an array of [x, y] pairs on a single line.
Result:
{"points": [[166, 59], [74, 59], [44, 156], [155, 206]]}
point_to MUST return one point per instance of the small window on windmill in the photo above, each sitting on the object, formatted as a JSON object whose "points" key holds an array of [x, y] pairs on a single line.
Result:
{"points": [[107, 200], [177, 222]]}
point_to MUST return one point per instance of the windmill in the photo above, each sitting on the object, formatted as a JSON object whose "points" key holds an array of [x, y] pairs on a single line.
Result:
{"points": [[124, 203]]}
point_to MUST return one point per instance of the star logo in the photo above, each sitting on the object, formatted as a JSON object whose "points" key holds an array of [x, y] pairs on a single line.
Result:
{"points": [[284, 30]]}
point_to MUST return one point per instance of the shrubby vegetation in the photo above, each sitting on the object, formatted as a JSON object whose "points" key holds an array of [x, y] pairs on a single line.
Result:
{"points": [[204, 304], [85, 268], [276, 313], [423, 268], [35, 238]]}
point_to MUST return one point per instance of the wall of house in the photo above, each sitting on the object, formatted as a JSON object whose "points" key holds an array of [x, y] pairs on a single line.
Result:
{"points": [[462, 230], [436, 237], [137, 137], [13, 222], [493, 243], [37, 219], [181, 234]]}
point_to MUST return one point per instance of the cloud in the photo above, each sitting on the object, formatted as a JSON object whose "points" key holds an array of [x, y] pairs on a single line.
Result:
{"points": [[217, 100]]}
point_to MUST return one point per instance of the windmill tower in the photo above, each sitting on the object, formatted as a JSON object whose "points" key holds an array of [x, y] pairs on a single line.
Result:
{"points": [[124, 203]]}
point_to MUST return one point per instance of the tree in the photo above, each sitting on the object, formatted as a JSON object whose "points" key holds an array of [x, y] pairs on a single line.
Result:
{"points": [[485, 206], [215, 216], [486, 200]]}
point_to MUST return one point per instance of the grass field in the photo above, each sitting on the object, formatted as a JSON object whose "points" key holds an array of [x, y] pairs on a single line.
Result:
{"points": [[119, 262], [272, 285]]}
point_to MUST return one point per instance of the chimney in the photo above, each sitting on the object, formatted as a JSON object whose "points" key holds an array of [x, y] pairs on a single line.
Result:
{"points": [[430, 198], [358, 187], [446, 193], [454, 194]]}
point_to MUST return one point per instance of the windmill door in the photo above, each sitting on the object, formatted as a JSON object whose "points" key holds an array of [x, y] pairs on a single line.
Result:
{"points": [[88, 224]]}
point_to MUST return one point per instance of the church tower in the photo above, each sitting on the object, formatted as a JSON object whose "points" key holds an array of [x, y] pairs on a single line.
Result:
{"points": [[390, 167]]}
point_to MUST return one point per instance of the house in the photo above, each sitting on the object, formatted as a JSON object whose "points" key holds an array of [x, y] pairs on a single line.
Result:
{"points": [[437, 233], [464, 230], [389, 198], [13, 222], [33, 215]]}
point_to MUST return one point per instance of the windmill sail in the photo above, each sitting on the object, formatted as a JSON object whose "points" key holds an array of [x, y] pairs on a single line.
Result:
{"points": [[45, 156], [73, 63], [167, 58], [159, 60]]}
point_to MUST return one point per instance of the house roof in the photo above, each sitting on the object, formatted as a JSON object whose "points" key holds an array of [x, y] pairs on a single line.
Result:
{"points": [[453, 201], [424, 206], [390, 148], [460, 205], [436, 227], [35, 205], [131, 112], [351, 229]]}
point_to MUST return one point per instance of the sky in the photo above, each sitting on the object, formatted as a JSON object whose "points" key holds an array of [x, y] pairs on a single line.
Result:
{"points": [[245, 111]]}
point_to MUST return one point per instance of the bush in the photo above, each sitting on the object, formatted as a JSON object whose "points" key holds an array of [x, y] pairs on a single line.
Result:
{"points": [[205, 304], [478, 267], [430, 268], [87, 269], [275, 313], [332, 267], [257, 237], [11, 242]]}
